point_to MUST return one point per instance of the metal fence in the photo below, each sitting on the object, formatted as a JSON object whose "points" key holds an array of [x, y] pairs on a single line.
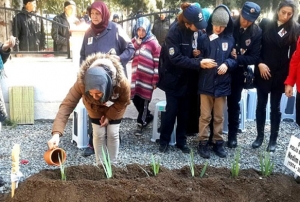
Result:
{"points": [[40, 29]]}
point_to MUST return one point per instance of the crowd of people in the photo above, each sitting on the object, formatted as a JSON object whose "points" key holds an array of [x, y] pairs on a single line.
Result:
{"points": [[198, 61]]}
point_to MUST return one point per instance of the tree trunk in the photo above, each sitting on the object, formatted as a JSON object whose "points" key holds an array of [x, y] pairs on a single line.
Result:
{"points": [[5, 21]]}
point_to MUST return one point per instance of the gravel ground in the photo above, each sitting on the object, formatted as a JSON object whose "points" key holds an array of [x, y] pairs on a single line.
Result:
{"points": [[133, 149]]}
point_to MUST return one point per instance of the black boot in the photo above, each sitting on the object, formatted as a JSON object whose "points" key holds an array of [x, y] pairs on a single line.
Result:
{"points": [[232, 140], [203, 149], [260, 126], [219, 150], [275, 122]]}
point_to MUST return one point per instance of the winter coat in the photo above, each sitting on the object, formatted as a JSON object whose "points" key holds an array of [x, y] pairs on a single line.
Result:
{"points": [[29, 30], [219, 49], [294, 70], [276, 54], [177, 64], [247, 45], [160, 29], [145, 62], [60, 34], [113, 37], [113, 109]]}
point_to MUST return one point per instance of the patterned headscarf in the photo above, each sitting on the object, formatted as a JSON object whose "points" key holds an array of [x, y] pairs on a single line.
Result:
{"points": [[102, 8], [145, 24]]}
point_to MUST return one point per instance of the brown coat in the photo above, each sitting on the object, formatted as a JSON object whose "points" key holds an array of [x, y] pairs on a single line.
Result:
{"points": [[95, 109]]}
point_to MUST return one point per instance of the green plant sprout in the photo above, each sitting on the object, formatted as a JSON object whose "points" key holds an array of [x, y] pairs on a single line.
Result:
{"points": [[192, 163], [203, 169], [155, 166], [11, 123], [235, 166], [106, 163], [62, 168], [266, 165], [144, 170]]}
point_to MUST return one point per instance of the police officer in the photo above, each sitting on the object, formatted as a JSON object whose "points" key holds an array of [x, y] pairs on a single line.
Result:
{"points": [[247, 37]]}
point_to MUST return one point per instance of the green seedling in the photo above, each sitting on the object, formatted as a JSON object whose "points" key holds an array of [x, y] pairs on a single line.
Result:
{"points": [[62, 168], [235, 166], [11, 123], [155, 165], [266, 164], [192, 163], [106, 163], [203, 169]]}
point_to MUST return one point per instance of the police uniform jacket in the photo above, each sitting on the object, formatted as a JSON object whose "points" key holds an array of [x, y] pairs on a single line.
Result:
{"points": [[177, 64], [247, 45]]}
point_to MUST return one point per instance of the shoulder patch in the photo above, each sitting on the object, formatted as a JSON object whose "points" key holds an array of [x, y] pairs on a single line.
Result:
{"points": [[171, 51]]}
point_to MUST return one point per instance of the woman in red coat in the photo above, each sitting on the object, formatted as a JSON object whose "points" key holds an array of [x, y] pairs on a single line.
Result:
{"points": [[294, 77]]}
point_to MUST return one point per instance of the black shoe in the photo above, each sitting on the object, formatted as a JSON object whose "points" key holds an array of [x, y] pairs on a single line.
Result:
{"points": [[139, 130], [232, 144], [219, 150], [271, 147], [163, 148], [88, 152], [203, 149], [257, 143], [1, 182], [184, 148], [232, 141], [149, 118]]}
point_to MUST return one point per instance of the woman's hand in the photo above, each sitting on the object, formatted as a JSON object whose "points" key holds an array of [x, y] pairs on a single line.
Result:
{"points": [[9, 43], [54, 141], [233, 53], [104, 121], [288, 90], [264, 71], [208, 63], [196, 53]]}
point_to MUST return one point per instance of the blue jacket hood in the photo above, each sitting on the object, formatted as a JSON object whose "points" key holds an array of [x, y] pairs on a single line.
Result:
{"points": [[228, 30]]}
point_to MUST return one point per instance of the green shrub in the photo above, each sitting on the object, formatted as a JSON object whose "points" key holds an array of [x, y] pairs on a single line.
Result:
{"points": [[266, 164], [155, 165], [235, 166], [192, 163], [203, 169]]}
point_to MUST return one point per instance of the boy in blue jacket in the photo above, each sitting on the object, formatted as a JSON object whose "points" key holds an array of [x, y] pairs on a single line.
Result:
{"points": [[214, 83]]}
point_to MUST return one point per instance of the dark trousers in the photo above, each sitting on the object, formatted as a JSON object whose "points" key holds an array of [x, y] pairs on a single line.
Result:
{"points": [[194, 114], [141, 106], [234, 108], [177, 107], [262, 100], [298, 108]]}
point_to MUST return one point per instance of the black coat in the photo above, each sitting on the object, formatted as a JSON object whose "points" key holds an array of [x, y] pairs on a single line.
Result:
{"points": [[29, 30], [177, 64], [60, 34], [276, 54], [247, 45]]}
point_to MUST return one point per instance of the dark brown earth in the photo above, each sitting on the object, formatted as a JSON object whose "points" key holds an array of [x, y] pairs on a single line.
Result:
{"points": [[89, 183]]}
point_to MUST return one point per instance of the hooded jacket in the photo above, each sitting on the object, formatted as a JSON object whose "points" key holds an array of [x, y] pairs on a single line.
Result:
{"points": [[219, 49], [145, 62], [112, 107]]}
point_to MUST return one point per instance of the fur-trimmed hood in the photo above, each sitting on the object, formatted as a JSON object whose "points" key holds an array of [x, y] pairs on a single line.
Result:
{"points": [[103, 59]]}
